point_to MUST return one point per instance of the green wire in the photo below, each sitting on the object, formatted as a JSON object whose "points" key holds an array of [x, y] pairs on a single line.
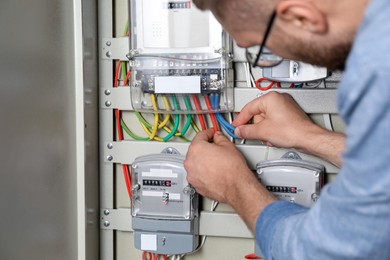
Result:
{"points": [[176, 123], [189, 117], [146, 123], [127, 130], [126, 28], [142, 119]]}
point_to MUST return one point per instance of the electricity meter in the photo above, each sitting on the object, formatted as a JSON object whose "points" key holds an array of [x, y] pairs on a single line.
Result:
{"points": [[164, 209], [291, 179], [177, 52], [295, 72]]}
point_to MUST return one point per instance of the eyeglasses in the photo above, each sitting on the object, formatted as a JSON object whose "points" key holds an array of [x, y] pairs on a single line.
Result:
{"points": [[260, 56]]}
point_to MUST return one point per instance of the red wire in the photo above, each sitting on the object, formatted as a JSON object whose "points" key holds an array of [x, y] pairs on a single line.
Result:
{"points": [[200, 116], [118, 67], [127, 78], [212, 116], [259, 87], [158, 256], [252, 256], [148, 254], [125, 168]]}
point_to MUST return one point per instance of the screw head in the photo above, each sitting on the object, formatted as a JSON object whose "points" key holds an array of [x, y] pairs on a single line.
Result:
{"points": [[106, 212], [108, 103], [109, 158], [108, 43], [106, 223], [108, 54], [110, 145], [107, 92]]}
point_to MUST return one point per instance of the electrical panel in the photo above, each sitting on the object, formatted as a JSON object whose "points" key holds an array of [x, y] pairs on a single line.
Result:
{"points": [[178, 52], [164, 210]]}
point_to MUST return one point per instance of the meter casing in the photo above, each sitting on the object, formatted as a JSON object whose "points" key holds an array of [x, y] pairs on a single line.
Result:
{"points": [[176, 52], [291, 179], [165, 216], [297, 181]]}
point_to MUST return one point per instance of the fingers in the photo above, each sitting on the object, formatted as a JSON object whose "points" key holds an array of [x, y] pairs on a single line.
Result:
{"points": [[220, 139], [251, 131], [204, 136], [255, 107]]}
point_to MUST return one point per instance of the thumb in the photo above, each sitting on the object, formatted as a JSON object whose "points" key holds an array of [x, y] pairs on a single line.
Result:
{"points": [[251, 131], [220, 139]]}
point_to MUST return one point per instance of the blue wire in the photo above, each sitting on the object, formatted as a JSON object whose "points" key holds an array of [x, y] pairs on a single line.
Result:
{"points": [[229, 129]]}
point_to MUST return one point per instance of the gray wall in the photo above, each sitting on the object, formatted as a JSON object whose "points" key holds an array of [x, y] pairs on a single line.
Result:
{"points": [[38, 177]]}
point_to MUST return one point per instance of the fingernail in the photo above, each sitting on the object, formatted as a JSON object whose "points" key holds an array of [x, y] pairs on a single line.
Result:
{"points": [[237, 132]]}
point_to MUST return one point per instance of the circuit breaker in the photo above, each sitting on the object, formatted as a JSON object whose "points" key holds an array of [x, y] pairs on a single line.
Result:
{"points": [[164, 210], [178, 52]]}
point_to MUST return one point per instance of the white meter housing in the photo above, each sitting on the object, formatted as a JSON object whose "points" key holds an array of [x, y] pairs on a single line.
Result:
{"points": [[164, 206], [178, 51], [293, 180], [295, 72]]}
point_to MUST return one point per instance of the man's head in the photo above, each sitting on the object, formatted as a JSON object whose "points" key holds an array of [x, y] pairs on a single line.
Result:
{"points": [[319, 32]]}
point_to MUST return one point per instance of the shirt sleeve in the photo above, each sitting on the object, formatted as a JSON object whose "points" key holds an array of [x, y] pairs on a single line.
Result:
{"points": [[351, 219]]}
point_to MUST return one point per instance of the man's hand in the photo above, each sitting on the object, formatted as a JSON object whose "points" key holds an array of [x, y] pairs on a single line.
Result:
{"points": [[218, 171], [213, 168], [279, 121]]}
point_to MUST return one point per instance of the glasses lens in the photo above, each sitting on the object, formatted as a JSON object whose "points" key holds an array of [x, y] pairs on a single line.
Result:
{"points": [[267, 58]]}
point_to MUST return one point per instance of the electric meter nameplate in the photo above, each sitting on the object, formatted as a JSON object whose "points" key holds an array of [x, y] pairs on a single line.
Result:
{"points": [[293, 180], [164, 205]]}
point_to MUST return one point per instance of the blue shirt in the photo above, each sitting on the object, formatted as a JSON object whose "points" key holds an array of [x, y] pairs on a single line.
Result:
{"points": [[351, 219]]}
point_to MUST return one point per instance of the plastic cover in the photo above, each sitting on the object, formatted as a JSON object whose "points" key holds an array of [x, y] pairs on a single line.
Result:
{"points": [[178, 54]]}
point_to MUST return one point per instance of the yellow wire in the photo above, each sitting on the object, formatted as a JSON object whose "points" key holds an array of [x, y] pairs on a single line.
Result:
{"points": [[155, 125], [150, 134], [167, 116], [195, 126]]}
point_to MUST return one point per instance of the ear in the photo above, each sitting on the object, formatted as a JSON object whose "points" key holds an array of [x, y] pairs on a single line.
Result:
{"points": [[303, 14]]}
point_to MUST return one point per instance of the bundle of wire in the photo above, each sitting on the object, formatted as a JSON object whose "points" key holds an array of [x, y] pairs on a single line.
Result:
{"points": [[229, 129]]}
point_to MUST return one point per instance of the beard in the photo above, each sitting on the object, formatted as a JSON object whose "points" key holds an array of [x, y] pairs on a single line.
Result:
{"points": [[331, 56]]}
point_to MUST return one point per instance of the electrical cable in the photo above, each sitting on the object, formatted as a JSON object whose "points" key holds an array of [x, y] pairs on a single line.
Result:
{"points": [[176, 121], [252, 256], [198, 108], [259, 87], [167, 116], [157, 257], [229, 129], [131, 134], [189, 117], [194, 126], [146, 126], [156, 117], [125, 168], [212, 116], [147, 256]]}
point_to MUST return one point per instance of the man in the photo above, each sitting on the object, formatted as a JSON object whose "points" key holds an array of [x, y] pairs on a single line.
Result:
{"points": [[351, 220]]}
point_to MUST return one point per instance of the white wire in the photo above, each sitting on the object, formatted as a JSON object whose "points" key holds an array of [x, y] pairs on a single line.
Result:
{"points": [[327, 118], [247, 75]]}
